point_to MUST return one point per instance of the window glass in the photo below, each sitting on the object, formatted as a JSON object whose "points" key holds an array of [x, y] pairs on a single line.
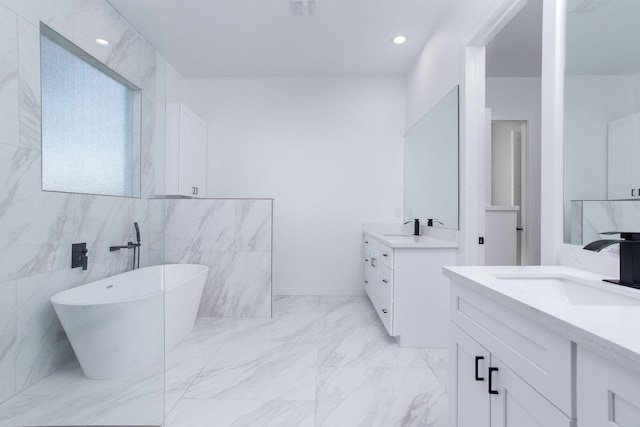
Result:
{"points": [[88, 117]]}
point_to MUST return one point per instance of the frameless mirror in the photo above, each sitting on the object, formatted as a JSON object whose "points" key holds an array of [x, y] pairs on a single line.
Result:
{"points": [[602, 119], [431, 166]]}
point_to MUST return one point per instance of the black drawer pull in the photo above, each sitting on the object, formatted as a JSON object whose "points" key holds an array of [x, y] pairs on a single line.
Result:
{"points": [[383, 254], [491, 371], [385, 281], [478, 377]]}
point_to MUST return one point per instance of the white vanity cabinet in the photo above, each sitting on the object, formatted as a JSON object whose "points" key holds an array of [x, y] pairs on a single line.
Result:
{"points": [[607, 393], [623, 181], [185, 153], [505, 369], [407, 289]]}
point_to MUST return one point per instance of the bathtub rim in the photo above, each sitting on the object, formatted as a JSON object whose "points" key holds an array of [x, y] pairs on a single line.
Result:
{"points": [[55, 299]]}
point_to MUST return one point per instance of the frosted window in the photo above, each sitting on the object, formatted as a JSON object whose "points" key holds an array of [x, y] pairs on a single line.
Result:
{"points": [[89, 144]]}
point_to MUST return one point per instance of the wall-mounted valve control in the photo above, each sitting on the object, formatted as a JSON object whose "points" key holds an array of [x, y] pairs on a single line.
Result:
{"points": [[79, 257]]}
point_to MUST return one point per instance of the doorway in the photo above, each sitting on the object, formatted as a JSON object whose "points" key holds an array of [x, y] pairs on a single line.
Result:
{"points": [[506, 211]]}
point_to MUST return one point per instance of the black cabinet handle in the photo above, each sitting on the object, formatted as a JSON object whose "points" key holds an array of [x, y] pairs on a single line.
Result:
{"points": [[383, 254], [385, 281], [491, 371], [478, 377], [384, 310]]}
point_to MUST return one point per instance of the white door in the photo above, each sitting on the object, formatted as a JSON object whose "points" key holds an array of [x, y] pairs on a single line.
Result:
{"points": [[516, 404], [508, 165], [468, 379]]}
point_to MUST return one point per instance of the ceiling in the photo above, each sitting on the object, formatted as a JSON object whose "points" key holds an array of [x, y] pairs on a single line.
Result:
{"points": [[215, 38], [517, 50], [605, 41], [602, 39]]}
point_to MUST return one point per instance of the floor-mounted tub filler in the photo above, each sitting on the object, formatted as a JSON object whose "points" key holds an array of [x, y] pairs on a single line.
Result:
{"points": [[115, 325]]}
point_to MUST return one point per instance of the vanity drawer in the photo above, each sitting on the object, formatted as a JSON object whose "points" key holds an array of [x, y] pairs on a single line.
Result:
{"points": [[386, 255], [538, 355]]}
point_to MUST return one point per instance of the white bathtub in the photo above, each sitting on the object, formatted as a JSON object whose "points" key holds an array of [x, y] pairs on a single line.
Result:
{"points": [[115, 325]]}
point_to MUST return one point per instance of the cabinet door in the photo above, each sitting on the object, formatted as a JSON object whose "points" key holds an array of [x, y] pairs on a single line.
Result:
{"points": [[469, 401], [199, 172], [367, 266], [386, 298], [623, 161], [187, 155], [608, 394], [517, 404], [374, 291]]}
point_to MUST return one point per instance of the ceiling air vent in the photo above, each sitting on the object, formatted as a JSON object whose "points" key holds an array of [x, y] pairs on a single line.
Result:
{"points": [[304, 7]]}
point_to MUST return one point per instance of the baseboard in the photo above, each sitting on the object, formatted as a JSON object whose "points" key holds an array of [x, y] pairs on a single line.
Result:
{"points": [[319, 291]]}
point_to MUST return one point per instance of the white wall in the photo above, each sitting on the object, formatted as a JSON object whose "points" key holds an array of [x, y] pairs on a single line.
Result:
{"points": [[176, 86], [438, 68], [327, 149], [519, 99], [590, 103]]}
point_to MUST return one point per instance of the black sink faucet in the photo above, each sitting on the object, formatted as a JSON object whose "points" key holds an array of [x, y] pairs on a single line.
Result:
{"points": [[431, 220], [416, 226], [629, 256]]}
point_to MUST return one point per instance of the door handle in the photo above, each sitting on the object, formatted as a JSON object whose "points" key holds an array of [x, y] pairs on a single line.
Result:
{"points": [[491, 371], [478, 377], [519, 228]]}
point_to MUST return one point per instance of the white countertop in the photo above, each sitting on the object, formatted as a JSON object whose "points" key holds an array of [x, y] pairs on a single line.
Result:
{"points": [[399, 241], [611, 331]]}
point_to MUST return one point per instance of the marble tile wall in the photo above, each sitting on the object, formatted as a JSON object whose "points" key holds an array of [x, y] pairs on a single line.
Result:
{"points": [[233, 237], [590, 217], [36, 227]]}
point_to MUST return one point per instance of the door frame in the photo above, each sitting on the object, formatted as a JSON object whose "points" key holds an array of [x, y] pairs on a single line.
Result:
{"points": [[473, 132], [524, 180]]}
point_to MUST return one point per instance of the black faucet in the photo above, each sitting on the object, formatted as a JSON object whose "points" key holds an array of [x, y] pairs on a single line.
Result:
{"points": [[416, 226], [629, 256], [131, 245], [430, 222]]}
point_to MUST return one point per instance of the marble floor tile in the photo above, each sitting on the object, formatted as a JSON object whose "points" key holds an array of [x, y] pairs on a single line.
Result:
{"points": [[242, 413], [381, 397], [347, 311], [283, 327], [367, 347], [438, 361], [259, 370], [296, 304], [320, 361]]}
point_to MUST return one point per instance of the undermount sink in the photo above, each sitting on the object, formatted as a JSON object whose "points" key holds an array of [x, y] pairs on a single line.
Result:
{"points": [[574, 291]]}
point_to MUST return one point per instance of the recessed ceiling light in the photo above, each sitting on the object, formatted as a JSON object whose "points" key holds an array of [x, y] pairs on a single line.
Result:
{"points": [[102, 42], [399, 39]]}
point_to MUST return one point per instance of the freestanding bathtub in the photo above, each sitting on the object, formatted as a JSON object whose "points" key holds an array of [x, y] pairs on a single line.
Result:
{"points": [[126, 323]]}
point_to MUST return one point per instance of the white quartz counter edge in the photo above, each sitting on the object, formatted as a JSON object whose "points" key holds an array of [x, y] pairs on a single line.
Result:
{"points": [[409, 241], [610, 331]]}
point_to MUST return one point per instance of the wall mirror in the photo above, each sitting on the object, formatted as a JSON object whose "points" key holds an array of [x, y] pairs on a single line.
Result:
{"points": [[90, 123], [602, 119], [431, 165]]}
